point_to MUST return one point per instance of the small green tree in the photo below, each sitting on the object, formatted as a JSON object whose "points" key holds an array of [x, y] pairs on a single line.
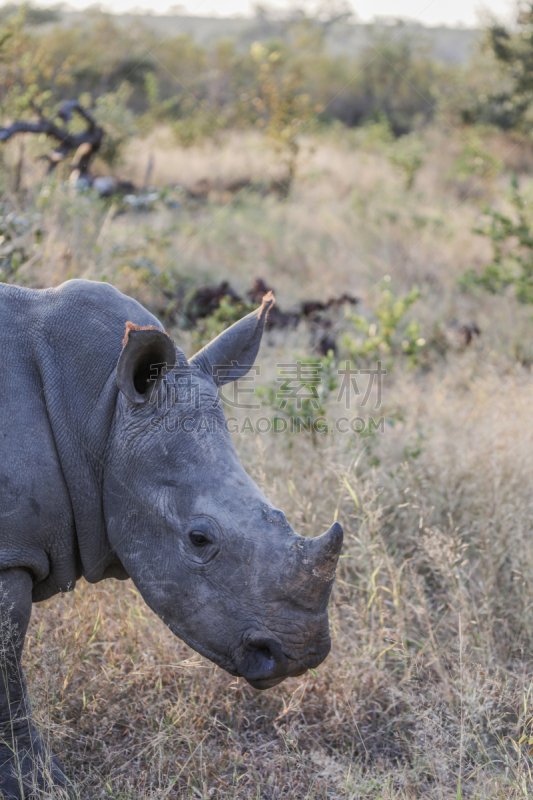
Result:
{"points": [[475, 159], [394, 78], [511, 236], [386, 335], [301, 399], [112, 113], [35, 77], [407, 155], [282, 106], [510, 104], [28, 72]]}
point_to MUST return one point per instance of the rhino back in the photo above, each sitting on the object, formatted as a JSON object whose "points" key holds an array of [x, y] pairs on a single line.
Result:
{"points": [[58, 353]]}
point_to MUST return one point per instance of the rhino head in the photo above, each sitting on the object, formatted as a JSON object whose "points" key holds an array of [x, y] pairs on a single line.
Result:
{"points": [[207, 550]]}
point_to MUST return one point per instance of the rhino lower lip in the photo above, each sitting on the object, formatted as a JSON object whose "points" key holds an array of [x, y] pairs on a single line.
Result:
{"points": [[265, 683], [269, 683]]}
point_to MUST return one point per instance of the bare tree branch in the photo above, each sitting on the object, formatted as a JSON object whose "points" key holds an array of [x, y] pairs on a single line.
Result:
{"points": [[86, 143]]}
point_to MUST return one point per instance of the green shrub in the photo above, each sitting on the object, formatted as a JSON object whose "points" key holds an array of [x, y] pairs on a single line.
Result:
{"points": [[393, 78], [509, 104], [300, 397], [511, 237], [112, 112], [19, 235], [475, 159], [407, 155], [385, 335]]}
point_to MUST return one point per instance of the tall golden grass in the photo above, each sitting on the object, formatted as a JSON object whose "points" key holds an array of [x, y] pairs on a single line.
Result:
{"points": [[427, 690]]}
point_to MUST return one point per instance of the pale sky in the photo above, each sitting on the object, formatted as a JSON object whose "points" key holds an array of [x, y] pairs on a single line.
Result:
{"points": [[429, 12]]}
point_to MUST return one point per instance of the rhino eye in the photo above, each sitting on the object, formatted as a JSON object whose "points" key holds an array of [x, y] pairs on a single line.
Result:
{"points": [[199, 539]]}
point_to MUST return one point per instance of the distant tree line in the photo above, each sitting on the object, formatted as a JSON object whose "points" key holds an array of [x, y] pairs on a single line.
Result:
{"points": [[201, 90]]}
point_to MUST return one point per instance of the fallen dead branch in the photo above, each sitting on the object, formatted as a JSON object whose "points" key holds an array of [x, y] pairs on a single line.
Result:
{"points": [[206, 300], [84, 144]]}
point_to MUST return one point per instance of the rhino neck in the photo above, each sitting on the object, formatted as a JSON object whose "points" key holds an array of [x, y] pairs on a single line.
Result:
{"points": [[77, 349]]}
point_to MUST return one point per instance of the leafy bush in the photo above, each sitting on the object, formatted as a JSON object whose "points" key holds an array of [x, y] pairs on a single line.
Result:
{"points": [[283, 107], [391, 78], [512, 250], [19, 233], [29, 73], [112, 112], [475, 159], [385, 337], [407, 155], [509, 105], [305, 388], [301, 394]]}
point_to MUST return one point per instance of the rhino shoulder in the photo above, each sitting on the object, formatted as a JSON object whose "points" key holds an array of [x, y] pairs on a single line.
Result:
{"points": [[98, 297]]}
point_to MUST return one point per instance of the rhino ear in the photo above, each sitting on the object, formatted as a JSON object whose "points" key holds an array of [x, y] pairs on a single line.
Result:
{"points": [[231, 355], [147, 355]]}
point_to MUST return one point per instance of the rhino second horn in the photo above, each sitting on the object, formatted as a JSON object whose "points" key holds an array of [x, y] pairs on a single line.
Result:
{"points": [[324, 553], [313, 569]]}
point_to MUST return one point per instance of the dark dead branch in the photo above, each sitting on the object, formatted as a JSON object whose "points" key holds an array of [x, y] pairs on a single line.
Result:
{"points": [[206, 300], [85, 144]]}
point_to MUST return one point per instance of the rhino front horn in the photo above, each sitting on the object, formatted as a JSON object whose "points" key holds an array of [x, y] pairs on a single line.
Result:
{"points": [[325, 551]]}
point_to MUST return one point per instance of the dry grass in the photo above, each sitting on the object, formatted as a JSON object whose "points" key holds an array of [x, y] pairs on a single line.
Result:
{"points": [[428, 686]]}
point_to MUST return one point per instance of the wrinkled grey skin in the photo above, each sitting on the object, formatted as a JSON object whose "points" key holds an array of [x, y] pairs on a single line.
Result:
{"points": [[112, 465]]}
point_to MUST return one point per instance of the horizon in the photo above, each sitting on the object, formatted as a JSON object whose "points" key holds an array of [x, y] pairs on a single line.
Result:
{"points": [[435, 13]]}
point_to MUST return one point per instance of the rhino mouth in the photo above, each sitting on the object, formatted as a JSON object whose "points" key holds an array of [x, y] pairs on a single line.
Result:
{"points": [[261, 661], [264, 664], [269, 683]]}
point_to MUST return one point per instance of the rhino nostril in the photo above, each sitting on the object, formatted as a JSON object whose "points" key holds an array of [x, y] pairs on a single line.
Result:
{"points": [[264, 657], [261, 657]]}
